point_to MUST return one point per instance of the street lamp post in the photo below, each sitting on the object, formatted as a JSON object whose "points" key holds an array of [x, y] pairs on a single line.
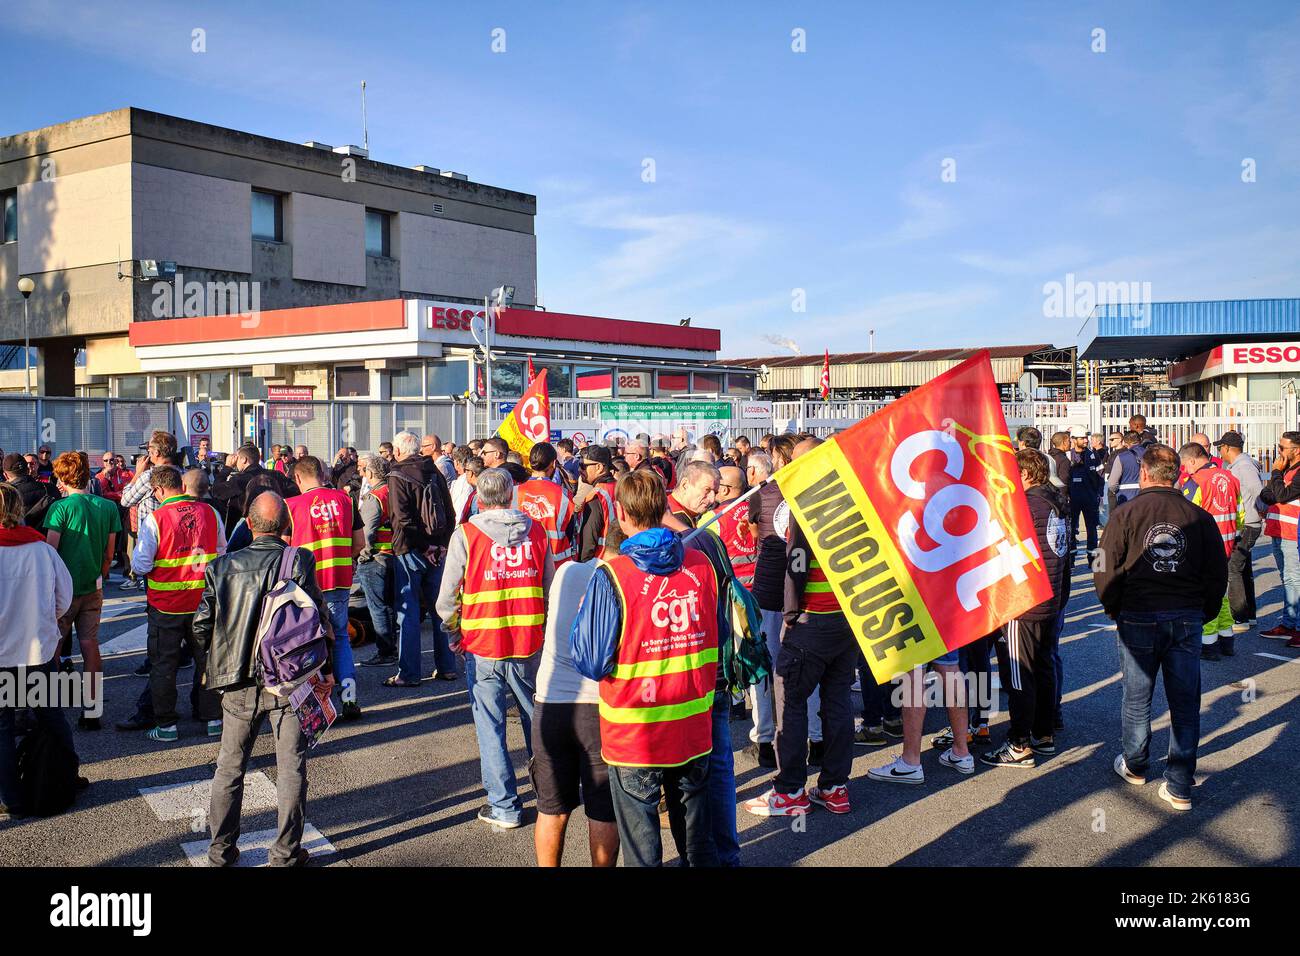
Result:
{"points": [[26, 287]]}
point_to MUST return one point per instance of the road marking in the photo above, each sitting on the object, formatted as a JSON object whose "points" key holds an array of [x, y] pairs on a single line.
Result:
{"points": [[254, 848], [1277, 657], [189, 801], [136, 639]]}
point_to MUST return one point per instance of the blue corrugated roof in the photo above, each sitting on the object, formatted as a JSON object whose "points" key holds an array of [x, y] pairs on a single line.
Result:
{"points": [[1176, 329]]}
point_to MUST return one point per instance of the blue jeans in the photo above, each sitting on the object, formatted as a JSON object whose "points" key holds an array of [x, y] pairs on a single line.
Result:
{"points": [[415, 585], [722, 784], [1287, 555], [345, 670], [376, 580], [490, 683], [636, 792], [1148, 644]]}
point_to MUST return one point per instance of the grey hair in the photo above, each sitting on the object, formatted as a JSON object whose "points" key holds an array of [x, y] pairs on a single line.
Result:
{"points": [[636, 443], [405, 443], [374, 466], [761, 462], [702, 456], [496, 489], [695, 469]]}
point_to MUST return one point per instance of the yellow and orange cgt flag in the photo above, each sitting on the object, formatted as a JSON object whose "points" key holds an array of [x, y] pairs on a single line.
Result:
{"points": [[530, 420], [919, 520]]}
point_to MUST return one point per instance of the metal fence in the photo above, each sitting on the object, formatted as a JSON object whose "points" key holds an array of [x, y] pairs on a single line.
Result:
{"points": [[92, 425]]}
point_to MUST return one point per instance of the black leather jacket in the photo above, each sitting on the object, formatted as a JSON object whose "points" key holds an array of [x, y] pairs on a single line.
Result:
{"points": [[225, 625]]}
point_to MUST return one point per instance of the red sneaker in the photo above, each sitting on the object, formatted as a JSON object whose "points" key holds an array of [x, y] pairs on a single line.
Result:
{"points": [[1278, 632], [773, 804], [834, 799], [1294, 642]]}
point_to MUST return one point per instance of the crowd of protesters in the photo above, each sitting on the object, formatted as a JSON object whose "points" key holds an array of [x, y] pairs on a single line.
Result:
{"points": [[594, 589]]}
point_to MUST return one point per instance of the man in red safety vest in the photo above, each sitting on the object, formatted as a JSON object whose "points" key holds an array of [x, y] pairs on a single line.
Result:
{"points": [[1280, 498], [1218, 492], [732, 524], [547, 503]]}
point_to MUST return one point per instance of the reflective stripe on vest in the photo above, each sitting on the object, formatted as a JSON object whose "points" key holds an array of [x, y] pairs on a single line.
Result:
{"points": [[384, 535], [605, 493], [322, 523], [656, 705], [818, 598], [502, 607], [1130, 473], [741, 545], [187, 541], [550, 506], [1280, 521]]}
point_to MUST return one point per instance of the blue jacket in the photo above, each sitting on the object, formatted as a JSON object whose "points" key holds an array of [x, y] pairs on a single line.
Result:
{"points": [[599, 624]]}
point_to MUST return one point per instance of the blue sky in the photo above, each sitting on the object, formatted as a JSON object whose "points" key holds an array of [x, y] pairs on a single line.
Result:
{"points": [[775, 171]]}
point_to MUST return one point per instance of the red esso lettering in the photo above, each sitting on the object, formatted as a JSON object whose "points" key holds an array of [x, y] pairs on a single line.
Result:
{"points": [[629, 381], [324, 509], [916, 472], [1292, 354], [1274, 354], [675, 614]]}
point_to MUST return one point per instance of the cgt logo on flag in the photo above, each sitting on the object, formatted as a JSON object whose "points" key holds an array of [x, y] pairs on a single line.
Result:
{"points": [[530, 420], [918, 519]]}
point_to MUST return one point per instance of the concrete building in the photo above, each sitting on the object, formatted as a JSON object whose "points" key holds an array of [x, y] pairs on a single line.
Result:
{"points": [[99, 210]]}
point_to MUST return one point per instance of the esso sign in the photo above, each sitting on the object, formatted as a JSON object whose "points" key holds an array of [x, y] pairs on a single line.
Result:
{"points": [[1280, 357], [512, 557], [455, 320], [955, 516], [633, 381], [675, 613], [324, 510]]}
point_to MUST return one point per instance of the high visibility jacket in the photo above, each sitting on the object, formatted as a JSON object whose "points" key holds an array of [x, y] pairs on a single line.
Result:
{"points": [[502, 606], [384, 536], [550, 506], [322, 523], [187, 540], [1130, 471], [732, 526], [1280, 521], [609, 529], [656, 705], [818, 598], [1219, 493]]}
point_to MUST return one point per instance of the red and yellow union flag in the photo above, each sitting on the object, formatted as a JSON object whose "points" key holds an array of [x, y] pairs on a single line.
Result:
{"points": [[918, 517], [529, 422]]}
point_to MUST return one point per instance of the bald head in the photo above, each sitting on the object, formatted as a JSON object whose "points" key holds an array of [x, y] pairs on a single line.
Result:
{"points": [[267, 515], [806, 445], [731, 483], [1203, 440]]}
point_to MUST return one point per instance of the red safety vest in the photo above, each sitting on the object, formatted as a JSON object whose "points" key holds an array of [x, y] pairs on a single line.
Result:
{"points": [[605, 500], [818, 598], [322, 523], [1219, 493], [187, 541], [656, 705], [1280, 521], [742, 546], [502, 607], [550, 506], [384, 536]]}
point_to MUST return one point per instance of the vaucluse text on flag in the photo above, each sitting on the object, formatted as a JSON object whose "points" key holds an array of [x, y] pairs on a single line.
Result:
{"points": [[918, 517]]}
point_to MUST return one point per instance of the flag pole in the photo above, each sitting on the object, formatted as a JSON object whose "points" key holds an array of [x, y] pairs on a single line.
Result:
{"points": [[716, 513]]}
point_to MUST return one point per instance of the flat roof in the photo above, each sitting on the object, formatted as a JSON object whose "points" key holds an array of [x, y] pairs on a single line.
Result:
{"points": [[1172, 330], [868, 358]]}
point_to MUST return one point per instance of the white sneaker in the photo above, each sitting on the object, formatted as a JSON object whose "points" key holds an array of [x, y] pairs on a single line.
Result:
{"points": [[897, 772], [1178, 803], [964, 764], [1127, 775], [1239, 628]]}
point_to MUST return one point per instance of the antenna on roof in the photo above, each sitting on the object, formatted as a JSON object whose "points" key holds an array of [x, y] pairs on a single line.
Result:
{"points": [[365, 130], [871, 340]]}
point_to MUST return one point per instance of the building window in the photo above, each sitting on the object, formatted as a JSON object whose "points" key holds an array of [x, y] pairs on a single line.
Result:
{"points": [[595, 382], [252, 388], [707, 382], [448, 377], [133, 386], [377, 233], [673, 383], [169, 386], [351, 383], [407, 382], [507, 379], [634, 382], [268, 216], [212, 386], [740, 385], [559, 383], [9, 198]]}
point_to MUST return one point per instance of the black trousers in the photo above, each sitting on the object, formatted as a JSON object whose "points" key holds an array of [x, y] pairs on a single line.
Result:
{"points": [[819, 653], [1241, 575], [167, 632], [1028, 675], [1088, 507]]}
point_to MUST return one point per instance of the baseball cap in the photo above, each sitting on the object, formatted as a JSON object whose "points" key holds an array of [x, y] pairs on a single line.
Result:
{"points": [[1078, 431], [597, 453], [15, 463], [1231, 439]]}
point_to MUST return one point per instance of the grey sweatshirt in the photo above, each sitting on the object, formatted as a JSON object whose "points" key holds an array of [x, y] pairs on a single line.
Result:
{"points": [[505, 526]]}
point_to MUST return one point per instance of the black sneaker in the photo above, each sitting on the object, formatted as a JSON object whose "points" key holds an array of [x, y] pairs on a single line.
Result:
{"points": [[1210, 652], [1044, 747], [1009, 755], [1228, 645], [765, 754], [870, 737], [351, 710], [894, 728], [816, 753], [143, 669], [136, 722], [380, 660]]}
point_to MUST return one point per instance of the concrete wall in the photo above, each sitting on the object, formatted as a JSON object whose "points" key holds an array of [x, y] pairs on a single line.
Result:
{"points": [[328, 238], [442, 257], [202, 221], [81, 219]]}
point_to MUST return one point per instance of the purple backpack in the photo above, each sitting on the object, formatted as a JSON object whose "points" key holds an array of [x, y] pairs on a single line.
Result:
{"points": [[291, 644]]}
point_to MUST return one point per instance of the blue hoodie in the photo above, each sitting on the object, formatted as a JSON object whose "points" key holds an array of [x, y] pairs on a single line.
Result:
{"points": [[599, 624]]}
